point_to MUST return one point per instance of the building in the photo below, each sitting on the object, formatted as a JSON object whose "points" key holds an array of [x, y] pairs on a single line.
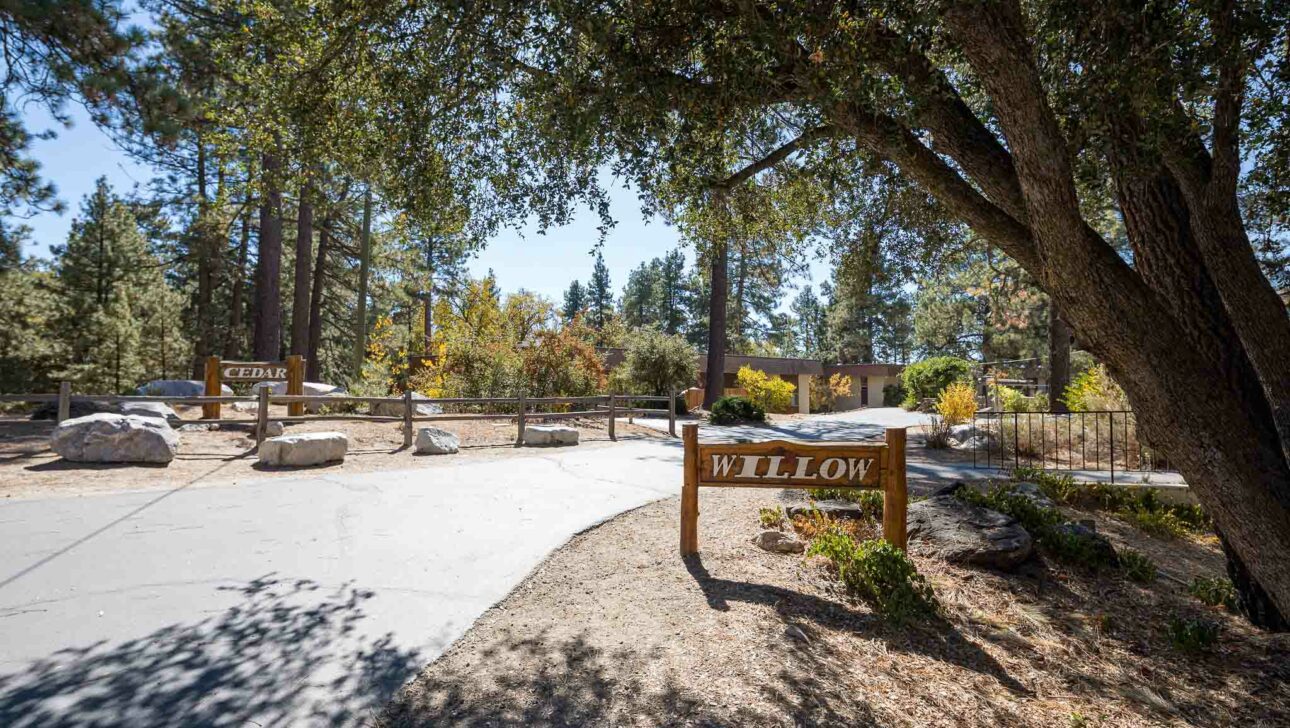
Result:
{"points": [[867, 380]]}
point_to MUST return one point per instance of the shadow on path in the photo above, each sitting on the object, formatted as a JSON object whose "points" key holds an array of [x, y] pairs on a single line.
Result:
{"points": [[252, 664]]}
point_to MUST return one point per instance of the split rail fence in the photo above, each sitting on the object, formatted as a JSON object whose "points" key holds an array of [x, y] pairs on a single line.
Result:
{"points": [[522, 409]]}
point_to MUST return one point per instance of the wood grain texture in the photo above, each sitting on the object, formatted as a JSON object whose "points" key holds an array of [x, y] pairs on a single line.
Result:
{"points": [[786, 464]]}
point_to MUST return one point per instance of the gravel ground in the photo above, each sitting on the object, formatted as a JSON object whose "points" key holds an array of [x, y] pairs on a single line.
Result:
{"points": [[28, 469], [616, 629]]}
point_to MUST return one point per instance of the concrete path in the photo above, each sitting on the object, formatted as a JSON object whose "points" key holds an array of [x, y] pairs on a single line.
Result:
{"points": [[283, 602]]}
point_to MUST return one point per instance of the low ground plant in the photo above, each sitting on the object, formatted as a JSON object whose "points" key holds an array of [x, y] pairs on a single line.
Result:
{"points": [[771, 517], [880, 574], [1048, 526], [1214, 591], [938, 433], [1141, 507], [1137, 567], [1190, 634], [731, 410]]}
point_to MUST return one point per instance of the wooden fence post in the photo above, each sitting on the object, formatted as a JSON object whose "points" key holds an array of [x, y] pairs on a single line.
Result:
{"points": [[295, 383], [690, 492], [213, 387], [671, 413], [613, 412], [262, 415], [407, 418], [523, 407], [64, 400], [895, 496]]}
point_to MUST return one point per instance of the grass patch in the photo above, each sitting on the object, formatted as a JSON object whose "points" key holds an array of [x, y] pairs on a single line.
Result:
{"points": [[1141, 507], [880, 574], [870, 501]]}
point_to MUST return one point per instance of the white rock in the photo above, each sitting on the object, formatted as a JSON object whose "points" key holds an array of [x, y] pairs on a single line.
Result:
{"points": [[109, 438], [434, 441], [306, 448], [310, 388], [395, 409], [274, 429], [963, 432], [149, 409], [178, 388], [542, 435], [250, 407]]}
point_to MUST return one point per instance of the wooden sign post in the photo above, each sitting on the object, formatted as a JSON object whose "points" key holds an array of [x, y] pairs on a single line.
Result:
{"points": [[291, 371], [799, 465]]}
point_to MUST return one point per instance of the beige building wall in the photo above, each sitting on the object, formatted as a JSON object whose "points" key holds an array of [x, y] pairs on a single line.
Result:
{"points": [[804, 394]]}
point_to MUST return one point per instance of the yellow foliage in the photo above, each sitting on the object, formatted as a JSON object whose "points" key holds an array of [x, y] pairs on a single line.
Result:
{"points": [[957, 403], [825, 391], [770, 393]]}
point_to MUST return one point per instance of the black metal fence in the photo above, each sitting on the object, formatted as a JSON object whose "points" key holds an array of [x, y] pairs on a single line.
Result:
{"points": [[1095, 441]]}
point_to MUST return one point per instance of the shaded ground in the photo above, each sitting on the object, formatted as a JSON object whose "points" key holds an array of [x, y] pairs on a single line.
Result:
{"points": [[29, 469], [616, 629]]}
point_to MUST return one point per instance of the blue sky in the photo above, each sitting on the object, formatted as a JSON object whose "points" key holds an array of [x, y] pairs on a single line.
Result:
{"points": [[521, 258]]}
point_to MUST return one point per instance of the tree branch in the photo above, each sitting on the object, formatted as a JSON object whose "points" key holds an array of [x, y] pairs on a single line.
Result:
{"points": [[807, 138]]}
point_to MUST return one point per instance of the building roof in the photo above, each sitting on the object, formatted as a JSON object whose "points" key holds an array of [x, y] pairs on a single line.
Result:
{"points": [[768, 364], [864, 370]]}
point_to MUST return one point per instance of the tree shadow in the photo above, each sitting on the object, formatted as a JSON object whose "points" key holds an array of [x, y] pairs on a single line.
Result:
{"points": [[255, 663], [571, 682], [939, 639]]}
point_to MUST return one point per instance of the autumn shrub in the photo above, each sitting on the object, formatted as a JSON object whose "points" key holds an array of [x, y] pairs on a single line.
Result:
{"points": [[771, 517], [956, 403], [880, 574], [925, 379], [771, 394], [1012, 400], [1094, 390], [825, 391], [730, 410]]}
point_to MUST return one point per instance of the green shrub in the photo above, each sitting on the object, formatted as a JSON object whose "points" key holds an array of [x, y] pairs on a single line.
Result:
{"points": [[1140, 506], [1214, 591], [1188, 634], [1012, 400], [880, 574], [771, 517], [1094, 390], [1137, 567], [1048, 526], [730, 410], [869, 500], [893, 395], [659, 364], [925, 379]]}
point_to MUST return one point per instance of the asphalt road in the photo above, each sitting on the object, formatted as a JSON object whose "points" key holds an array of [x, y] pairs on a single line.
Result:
{"points": [[282, 602]]}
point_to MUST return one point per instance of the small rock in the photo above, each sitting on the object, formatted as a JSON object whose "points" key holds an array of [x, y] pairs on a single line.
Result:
{"points": [[274, 429], [961, 533], [198, 428], [149, 409], [434, 441], [250, 407], [1032, 493], [109, 438], [778, 542], [794, 632], [543, 435], [831, 508], [76, 409], [306, 448]]}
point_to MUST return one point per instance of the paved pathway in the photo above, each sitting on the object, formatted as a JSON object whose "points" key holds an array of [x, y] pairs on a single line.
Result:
{"points": [[303, 601]]}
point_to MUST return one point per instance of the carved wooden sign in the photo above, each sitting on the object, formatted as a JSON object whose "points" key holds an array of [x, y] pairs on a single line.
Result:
{"points": [[253, 371], [786, 464]]}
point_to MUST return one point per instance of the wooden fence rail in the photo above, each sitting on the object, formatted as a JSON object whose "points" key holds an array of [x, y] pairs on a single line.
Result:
{"points": [[610, 406]]}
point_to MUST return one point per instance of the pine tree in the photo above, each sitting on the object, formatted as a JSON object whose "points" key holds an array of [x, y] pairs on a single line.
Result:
{"points": [[120, 322], [600, 295], [640, 295], [575, 301], [672, 293], [812, 323]]}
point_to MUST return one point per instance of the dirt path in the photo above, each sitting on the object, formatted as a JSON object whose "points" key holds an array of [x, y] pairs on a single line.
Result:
{"points": [[615, 629]]}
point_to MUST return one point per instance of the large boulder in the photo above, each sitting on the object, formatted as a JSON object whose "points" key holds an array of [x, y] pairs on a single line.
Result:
{"points": [[309, 388], [545, 435], [178, 388], [113, 438], [395, 409], [149, 409], [306, 448], [947, 528], [76, 408], [434, 441]]}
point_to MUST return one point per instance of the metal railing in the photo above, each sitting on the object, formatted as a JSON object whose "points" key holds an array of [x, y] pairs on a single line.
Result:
{"points": [[1106, 440]]}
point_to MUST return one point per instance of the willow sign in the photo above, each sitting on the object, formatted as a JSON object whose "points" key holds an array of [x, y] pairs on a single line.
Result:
{"points": [[785, 464]]}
